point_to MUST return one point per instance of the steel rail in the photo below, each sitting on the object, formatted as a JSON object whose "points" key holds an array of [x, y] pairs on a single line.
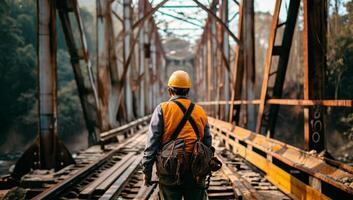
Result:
{"points": [[54, 191], [104, 136]]}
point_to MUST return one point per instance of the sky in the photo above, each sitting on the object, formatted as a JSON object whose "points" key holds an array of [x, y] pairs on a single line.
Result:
{"points": [[192, 31]]}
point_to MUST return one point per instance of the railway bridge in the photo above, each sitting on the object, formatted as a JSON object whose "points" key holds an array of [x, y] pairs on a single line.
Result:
{"points": [[118, 94]]}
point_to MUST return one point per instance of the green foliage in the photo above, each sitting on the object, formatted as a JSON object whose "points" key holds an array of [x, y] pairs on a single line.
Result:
{"points": [[340, 68], [17, 61], [18, 76]]}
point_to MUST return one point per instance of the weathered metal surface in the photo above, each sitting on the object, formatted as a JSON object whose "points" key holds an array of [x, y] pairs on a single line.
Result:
{"points": [[127, 18], [47, 151], [249, 61], [237, 72], [104, 136], [283, 62], [267, 67], [106, 114], [288, 102], [288, 167], [315, 44], [78, 51], [142, 62], [91, 164], [214, 16]]}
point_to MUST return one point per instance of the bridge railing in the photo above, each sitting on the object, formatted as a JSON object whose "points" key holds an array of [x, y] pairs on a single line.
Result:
{"points": [[129, 127], [306, 175]]}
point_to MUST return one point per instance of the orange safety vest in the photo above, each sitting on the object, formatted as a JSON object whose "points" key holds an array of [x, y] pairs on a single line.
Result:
{"points": [[172, 115]]}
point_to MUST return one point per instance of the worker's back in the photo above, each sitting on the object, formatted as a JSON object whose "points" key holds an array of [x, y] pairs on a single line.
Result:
{"points": [[172, 115]]}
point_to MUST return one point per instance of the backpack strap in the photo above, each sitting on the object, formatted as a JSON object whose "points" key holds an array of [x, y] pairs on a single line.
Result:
{"points": [[182, 122], [191, 120]]}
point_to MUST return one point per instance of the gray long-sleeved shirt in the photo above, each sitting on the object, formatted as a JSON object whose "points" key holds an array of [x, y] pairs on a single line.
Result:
{"points": [[154, 138]]}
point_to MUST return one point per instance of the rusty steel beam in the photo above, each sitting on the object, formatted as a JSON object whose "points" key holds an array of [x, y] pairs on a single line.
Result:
{"points": [[287, 102], [209, 63], [214, 16], [285, 47], [237, 72], [142, 11], [78, 52], [127, 18], [315, 44], [47, 151], [267, 67], [249, 61], [130, 57], [107, 111], [226, 55], [147, 16], [47, 46]]}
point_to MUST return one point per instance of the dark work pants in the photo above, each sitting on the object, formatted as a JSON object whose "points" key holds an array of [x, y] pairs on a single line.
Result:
{"points": [[189, 190]]}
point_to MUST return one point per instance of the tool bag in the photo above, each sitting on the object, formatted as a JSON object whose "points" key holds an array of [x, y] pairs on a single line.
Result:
{"points": [[203, 161], [171, 162]]}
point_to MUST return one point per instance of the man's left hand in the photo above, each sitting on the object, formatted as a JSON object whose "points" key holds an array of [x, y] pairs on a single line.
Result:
{"points": [[147, 179]]}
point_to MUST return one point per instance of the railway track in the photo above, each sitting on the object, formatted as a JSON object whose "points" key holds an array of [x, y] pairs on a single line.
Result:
{"points": [[247, 181], [95, 171], [116, 174]]}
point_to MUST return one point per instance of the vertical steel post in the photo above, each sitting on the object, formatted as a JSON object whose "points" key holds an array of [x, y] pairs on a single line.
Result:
{"points": [[226, 53], [315, 29], [209, 63], [238, 72], [47, 82], [104, 89], [155, 79], [147, 46], [283, 61], [214, 79], [267, 66], [142, 60], [127, 13], [47, 152], [249, 60]]}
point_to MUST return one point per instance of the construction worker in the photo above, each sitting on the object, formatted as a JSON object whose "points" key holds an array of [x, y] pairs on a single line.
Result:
{"points": [[165, 120]]}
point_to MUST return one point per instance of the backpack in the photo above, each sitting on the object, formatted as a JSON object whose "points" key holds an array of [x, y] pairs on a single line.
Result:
{"points": [[171, 162], [201, 155]]}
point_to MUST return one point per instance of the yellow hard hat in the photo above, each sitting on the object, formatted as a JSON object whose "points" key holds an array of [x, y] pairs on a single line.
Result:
{"points": [[179, 79]]}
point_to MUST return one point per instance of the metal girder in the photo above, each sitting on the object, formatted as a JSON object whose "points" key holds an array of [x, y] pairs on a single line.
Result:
{"points": [[181, 19], [267, 67], [226, 55], [107, 95], [315, 45], [127, 18], [238, 72], [47, 152], [283, 61], [268, 122], [142, 11], [209, 11], [287, 102], [249, 61], [79, 52]]}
